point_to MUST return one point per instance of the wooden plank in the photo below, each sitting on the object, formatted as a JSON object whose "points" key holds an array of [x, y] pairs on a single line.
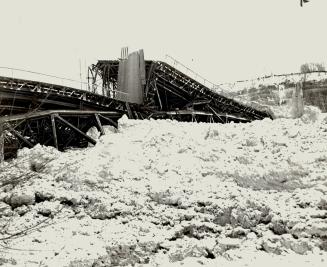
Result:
{"points": [[88, 138]]}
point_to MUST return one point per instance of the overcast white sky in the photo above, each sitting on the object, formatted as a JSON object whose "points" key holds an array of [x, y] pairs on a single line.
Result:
{"points": [[224, 40]]}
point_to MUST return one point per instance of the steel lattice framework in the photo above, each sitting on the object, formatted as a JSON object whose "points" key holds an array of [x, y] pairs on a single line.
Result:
{"points": [[20, 96], [169, 92], [34, 112]]}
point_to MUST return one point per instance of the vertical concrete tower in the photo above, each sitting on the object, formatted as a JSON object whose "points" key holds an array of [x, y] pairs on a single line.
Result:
{"points": [[131, 78]]}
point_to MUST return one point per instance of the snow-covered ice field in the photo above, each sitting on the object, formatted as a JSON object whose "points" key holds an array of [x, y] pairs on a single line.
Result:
{"points": [[167, 193]]}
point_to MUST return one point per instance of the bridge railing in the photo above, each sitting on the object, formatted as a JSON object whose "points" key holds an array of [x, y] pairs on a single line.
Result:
{"points": [[16, 73], [194, 75], [41, 77]]}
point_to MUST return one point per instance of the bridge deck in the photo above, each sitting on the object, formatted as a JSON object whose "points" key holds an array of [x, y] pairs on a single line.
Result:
{"points": [[18, 96]]}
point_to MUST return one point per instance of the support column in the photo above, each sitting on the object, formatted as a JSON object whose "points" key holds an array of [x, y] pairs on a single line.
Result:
{"points": [[100, 128], [297, 101], [54, 131], [62, 120], [129, 111]]}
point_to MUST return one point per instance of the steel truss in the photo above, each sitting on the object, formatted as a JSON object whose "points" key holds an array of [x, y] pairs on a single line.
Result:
{"points": [[168, 94], [59, 128], [169, 90], [19, 96]]}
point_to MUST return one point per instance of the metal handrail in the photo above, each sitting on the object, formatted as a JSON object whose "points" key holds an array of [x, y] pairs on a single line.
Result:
{"points": [[52, 79], [194, 75]]}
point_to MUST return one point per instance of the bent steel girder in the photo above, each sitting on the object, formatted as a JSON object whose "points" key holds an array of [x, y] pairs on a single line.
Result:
{"points": [[58, 128], [167, 89], [167, 93], [18, 96]]}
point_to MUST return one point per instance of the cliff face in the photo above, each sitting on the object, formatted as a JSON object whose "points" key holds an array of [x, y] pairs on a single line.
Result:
{"points": [[277, 92], [315, 94]]}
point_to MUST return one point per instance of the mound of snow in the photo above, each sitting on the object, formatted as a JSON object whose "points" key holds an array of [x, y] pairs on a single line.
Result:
{"points": [[164, 192]]}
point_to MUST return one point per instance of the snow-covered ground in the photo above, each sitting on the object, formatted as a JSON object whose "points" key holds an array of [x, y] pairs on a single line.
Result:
{"points": [[167, 193], [276, 92]]}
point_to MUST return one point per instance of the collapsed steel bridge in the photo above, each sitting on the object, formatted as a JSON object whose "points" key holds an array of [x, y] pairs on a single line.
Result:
{"points": [[169, 93], [33, 112]]}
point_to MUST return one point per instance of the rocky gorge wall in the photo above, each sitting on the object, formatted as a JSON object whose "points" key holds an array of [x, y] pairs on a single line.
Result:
{"points": [[315, 94], [277, 92]]}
